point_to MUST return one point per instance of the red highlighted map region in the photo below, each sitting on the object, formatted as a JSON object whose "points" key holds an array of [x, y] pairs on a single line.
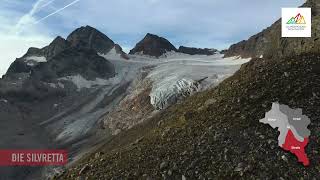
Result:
{"points": [[296, 147]]}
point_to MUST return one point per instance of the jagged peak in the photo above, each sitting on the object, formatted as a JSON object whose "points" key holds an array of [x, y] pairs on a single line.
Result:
{"points": [[152, 35], [153, 45], [58, 41], [155, 37], [85, 30], [198, 51], [89, 37], [33, 50]]}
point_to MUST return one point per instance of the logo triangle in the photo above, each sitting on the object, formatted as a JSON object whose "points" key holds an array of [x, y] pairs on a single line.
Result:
{"points": [[292, 21], [301, 21]]}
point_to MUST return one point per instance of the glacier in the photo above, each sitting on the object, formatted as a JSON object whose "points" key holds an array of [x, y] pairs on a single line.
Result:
{"points": [[163, 82], [180, 75], [176, 75], [172, 78]]}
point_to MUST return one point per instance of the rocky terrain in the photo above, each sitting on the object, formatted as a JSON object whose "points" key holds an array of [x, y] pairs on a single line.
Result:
{"points": [[52, 97], [77, 93], [159, 112], [153, 45], [82, 39], [88, 37], [217, 133], [199, 51], [269, 43]]}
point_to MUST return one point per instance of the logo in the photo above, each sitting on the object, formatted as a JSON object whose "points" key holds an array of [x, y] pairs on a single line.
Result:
{"points": [[296, 22], [299, 19]]}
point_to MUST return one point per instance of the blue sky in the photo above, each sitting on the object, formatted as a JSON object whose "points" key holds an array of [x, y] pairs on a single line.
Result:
{"points": [[199, 23]]}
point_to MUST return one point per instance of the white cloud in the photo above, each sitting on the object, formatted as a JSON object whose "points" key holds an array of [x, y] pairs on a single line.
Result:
{"points": [[27, 19], [14, 46], [57, 11], [17, 36], [204, 22]]}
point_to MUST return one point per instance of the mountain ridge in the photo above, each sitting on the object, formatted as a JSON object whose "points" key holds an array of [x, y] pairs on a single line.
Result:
{"points": [[197, 51], [91, 38], [85, 37], [269, 43], [152, 45]]}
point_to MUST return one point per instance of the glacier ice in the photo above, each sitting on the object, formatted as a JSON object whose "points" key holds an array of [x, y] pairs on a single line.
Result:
{"points": [[36, 58], [177, 75], [81, 82], [168, 92]]}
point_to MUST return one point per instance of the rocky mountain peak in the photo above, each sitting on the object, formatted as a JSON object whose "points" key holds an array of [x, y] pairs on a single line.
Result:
{"points": [[119, 50], [33, 51], [58, 41], [82, 38], [90, 38], [269, 43], [198, 51], [149, 35], [153, 45], [55, 47], [74, 61]]}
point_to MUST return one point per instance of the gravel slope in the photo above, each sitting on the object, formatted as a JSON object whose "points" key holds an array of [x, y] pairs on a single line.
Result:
{"points": [[216, 134]]}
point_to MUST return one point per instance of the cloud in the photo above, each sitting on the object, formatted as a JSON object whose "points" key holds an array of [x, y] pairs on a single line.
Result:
{"points": [[17, 34], [16, 46], [57, 11], [211, 23], [201, 23], [45, 5], [28, 18]]}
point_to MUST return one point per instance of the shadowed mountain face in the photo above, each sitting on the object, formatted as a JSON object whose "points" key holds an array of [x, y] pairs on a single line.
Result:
{"points": [[55, 47], [72, 62], [153, 45], [90, 38], [197, 51], [269, 42], [83, 39], [35, 55], [64, 81], [58, 45], [29, 77]]}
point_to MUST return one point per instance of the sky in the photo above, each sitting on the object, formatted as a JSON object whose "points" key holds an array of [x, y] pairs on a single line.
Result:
{"points": [[197, 23]]}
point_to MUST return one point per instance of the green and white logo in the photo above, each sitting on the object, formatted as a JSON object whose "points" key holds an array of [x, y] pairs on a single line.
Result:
{"points": [[296, 22]]}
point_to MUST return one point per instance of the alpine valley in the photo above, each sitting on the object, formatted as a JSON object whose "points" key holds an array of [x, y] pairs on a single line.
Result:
{"points": [[161, 112], [77, 93]]}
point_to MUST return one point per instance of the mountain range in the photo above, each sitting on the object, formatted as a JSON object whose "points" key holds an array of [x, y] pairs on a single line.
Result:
{"points": [[70, 91], [216, 134], [160, 112]]}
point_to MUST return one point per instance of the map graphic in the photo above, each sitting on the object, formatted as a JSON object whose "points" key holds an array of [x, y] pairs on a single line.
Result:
{"points": [[299, 19], [293, 128]]}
